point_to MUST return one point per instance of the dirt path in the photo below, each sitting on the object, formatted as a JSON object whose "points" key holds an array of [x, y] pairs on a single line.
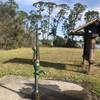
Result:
{"points": [[16, 88]]}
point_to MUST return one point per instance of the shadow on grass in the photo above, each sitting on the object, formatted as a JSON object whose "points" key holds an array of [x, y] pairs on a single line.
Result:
{"points": [[70, 67], [53, 65], [97, 65], [46, 92], [75, 68], [42, 63], [74, 65], [61, 66], [19, 61]]}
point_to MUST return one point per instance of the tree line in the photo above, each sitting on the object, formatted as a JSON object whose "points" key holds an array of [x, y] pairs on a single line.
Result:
{"points": [[18, 28]]}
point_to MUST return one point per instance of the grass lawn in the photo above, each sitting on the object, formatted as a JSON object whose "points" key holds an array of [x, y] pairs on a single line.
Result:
{"points": [[58, 63]]}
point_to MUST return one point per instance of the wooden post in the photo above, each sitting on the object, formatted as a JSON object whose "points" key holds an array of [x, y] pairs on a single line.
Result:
{"points": [[86, 49], [83, 52], [89, 46], [91, 51], [92, 47]]}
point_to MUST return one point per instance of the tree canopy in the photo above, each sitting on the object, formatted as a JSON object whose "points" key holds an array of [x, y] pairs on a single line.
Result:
{"points": [[17, 27], [90, 15]]}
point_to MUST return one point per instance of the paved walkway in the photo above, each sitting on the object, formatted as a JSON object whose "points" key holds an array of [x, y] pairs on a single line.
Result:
{"points": [[17, 87]]}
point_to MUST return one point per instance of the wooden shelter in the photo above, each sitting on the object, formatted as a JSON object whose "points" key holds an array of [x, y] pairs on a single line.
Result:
{"points": [[89, 31]]}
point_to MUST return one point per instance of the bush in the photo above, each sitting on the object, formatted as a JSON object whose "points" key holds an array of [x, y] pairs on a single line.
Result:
{"points": [[46, 43], [71, 43], [59, 42]]}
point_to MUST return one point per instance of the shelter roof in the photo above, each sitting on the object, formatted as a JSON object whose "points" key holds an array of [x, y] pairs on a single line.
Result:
{"points": [[89, 24]]}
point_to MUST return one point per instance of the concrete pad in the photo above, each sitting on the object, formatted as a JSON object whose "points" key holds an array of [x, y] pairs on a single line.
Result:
{"points": [[17, 87]]}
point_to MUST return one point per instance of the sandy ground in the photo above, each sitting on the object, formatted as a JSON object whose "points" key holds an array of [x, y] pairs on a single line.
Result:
{"points": [[17, 88]]}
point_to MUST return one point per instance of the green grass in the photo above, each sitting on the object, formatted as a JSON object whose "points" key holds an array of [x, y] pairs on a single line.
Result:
{"points": [[58, 63]]}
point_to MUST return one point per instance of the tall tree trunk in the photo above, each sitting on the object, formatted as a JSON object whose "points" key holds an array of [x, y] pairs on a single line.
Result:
{"points": [[48, 26]]}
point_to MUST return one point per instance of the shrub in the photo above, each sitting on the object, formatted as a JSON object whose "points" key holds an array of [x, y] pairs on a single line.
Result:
{"points": [[59, 42], [71, 43], [46, 43]]}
